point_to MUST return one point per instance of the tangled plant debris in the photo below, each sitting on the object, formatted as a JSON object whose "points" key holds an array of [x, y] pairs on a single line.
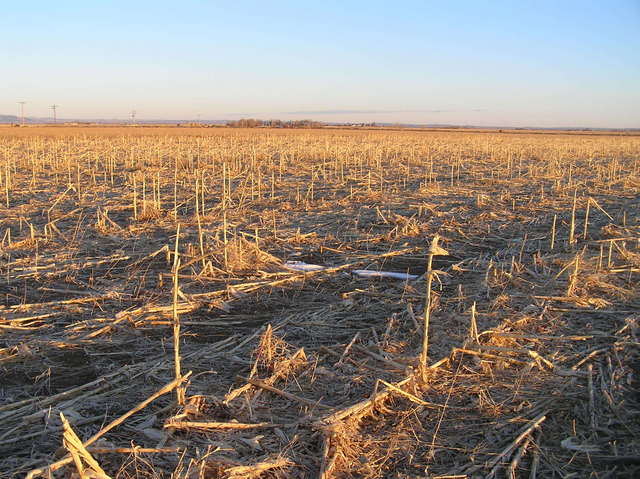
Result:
{"points": [[263, 303]]}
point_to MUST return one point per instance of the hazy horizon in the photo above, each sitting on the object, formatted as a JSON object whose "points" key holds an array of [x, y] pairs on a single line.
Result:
{"points": [[543, 64]]}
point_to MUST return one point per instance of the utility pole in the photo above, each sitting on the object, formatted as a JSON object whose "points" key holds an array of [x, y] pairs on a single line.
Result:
{"points": [[133, 117], [21, 103], [53, 107]]}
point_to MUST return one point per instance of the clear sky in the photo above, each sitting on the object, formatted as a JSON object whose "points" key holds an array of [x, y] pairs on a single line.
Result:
{"points": [[518, 63]]}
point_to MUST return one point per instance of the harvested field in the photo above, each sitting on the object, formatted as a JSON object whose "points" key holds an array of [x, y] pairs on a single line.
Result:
{"points": [[153, 324]]}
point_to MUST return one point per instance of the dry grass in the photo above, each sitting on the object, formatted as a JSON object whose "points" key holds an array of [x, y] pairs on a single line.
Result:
{"points": [[289, 374]]}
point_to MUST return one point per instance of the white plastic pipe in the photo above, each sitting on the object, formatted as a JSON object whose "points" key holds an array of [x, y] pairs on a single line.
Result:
{"points": [[365, 273], [302, 266]]}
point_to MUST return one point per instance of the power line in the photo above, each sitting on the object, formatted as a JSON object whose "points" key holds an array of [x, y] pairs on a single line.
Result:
{"points": [[54, 107], [22, 103]]}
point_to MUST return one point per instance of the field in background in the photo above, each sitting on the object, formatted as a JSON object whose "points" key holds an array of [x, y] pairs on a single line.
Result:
{"points": [[62, 129], [146, 297]]}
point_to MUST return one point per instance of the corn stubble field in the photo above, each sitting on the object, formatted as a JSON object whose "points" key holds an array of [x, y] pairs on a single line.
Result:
{"points": [[150, 325]]}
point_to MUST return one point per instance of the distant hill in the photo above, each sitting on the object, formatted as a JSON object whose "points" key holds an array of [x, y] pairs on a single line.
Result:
{"points": [[8, 119], [14, 119]]}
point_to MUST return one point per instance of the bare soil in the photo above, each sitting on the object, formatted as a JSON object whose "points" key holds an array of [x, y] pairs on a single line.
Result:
{"points": [[116, 247]]}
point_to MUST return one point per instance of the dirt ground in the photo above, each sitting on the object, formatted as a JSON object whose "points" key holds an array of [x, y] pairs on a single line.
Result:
{"points": [[153, 325]]}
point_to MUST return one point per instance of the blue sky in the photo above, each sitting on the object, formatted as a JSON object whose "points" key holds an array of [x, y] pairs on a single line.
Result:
{"points": [[543, 63]]}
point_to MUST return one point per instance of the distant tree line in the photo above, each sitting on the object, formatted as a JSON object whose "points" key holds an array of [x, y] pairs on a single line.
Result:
{"points": [[253, 123]]}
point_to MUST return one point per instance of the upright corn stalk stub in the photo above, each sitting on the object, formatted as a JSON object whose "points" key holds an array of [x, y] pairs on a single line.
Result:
{"points": [[434, 250], [180, 393]]}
